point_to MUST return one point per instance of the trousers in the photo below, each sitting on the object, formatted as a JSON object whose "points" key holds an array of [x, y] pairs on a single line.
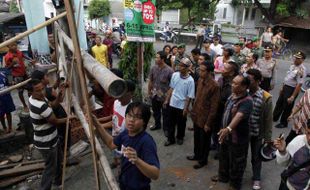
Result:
{"points": [[202, 142], [256, 162], [52, 173], [282, 108], [232, 162], [176, 118], [158, 112]]}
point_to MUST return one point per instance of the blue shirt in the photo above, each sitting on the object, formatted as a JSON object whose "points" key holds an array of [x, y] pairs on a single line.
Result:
{"points": [[131, 178]]}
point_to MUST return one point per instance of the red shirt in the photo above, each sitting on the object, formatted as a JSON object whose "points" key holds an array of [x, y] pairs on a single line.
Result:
{"points": [[18, 70]]}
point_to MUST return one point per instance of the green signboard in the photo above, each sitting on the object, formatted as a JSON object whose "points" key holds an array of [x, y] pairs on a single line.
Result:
{"points": [[139, 20]]}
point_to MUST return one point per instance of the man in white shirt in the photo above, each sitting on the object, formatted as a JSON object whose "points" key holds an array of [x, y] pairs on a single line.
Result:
{"points": [[180, 94], [216, 46]]}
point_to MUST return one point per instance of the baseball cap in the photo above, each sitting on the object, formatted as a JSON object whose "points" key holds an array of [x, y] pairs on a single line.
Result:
{"points": [[38, 74], [186, 61], [267, 48], [182, 45], [300, 55]]}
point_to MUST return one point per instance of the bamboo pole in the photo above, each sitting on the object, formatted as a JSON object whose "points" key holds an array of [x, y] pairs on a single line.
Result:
{"points": [[112, 84], [106, 170], [77, 53], [21, 84], [32, 30]]}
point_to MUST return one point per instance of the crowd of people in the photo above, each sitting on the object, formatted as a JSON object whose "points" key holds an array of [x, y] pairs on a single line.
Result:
{"points": [[224, 89]]}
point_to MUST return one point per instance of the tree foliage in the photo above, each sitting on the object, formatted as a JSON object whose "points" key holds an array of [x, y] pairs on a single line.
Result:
{"points": [[129, 61], [13, 7], [98, 9], [277, 8]]}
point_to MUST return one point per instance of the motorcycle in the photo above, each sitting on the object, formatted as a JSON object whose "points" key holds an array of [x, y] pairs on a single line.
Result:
{"points": [[169, 38]]}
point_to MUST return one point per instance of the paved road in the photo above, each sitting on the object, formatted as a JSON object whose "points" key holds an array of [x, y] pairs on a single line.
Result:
{"points": [[176, 171]]}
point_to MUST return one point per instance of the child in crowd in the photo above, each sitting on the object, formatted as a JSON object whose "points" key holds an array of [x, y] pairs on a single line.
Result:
{"points": [[6, 104]]}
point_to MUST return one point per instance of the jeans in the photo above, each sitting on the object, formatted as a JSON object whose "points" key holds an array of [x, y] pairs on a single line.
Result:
{"points": [[232, 162], [176, 118], [256, 144], [199, 42], [53, 171]]}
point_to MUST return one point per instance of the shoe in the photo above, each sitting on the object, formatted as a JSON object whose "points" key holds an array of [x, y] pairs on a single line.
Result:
{"points": [[179, 141], [153, 128], [168, 143], [191, 158], [280, 126], [216, 178], [199, 165], [256, 185]]}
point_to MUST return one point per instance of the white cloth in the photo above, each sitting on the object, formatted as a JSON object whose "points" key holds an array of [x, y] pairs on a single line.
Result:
{"points": [[218, 49], [182, 89], [118, 118]]}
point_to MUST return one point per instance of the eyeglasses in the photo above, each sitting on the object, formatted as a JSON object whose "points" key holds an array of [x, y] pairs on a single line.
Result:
{"points": [[133, 117]]}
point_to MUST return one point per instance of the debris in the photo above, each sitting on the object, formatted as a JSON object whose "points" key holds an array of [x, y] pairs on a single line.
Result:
{"points": [[4, 162], [16, 158], [14, 165], [78, 148], [14, 180], [21, 170]]}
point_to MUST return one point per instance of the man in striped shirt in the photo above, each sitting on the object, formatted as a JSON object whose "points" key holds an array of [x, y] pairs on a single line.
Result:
{"points": [[45, 135], [260, 123]]}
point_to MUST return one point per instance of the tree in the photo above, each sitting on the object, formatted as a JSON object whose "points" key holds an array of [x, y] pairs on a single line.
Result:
{"points": [[129, 61], [13, 7], [98, 9], [277, 8]]}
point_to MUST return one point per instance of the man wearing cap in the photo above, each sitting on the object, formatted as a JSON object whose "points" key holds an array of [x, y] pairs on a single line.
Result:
{"points": [[260, 123], [181, 54], [180, 94], [290, 90], [238, 56], [204, 113], [216, 46], [268, 67], [208, 50], [257, 49]]}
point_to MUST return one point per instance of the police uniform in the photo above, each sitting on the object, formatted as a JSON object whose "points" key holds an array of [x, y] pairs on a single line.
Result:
{"points": [[295, 76]]}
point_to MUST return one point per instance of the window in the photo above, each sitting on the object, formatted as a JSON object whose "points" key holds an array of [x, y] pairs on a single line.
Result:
{"points": [[224, 13], [253, 14], [247, 10]]}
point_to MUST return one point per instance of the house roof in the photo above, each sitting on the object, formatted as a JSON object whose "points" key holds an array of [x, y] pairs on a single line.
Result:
{"points": [[5, 17], [295, 22]]}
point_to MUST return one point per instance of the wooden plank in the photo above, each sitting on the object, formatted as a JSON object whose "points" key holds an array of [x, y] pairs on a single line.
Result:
{"points": [[32, 30], [79, 64], [21, 170], [22, 163], [14, 180]]}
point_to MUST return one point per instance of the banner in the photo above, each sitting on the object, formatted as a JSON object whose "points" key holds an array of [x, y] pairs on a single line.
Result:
{"points": [[139, 20]]}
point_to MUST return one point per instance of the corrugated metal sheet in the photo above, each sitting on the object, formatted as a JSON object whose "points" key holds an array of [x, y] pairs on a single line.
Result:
{"points": [[5, 17]]}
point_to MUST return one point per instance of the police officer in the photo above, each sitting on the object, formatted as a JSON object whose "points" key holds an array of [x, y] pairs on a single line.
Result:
{"points": [[268, 67], [238, 56], [290, 90]]}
